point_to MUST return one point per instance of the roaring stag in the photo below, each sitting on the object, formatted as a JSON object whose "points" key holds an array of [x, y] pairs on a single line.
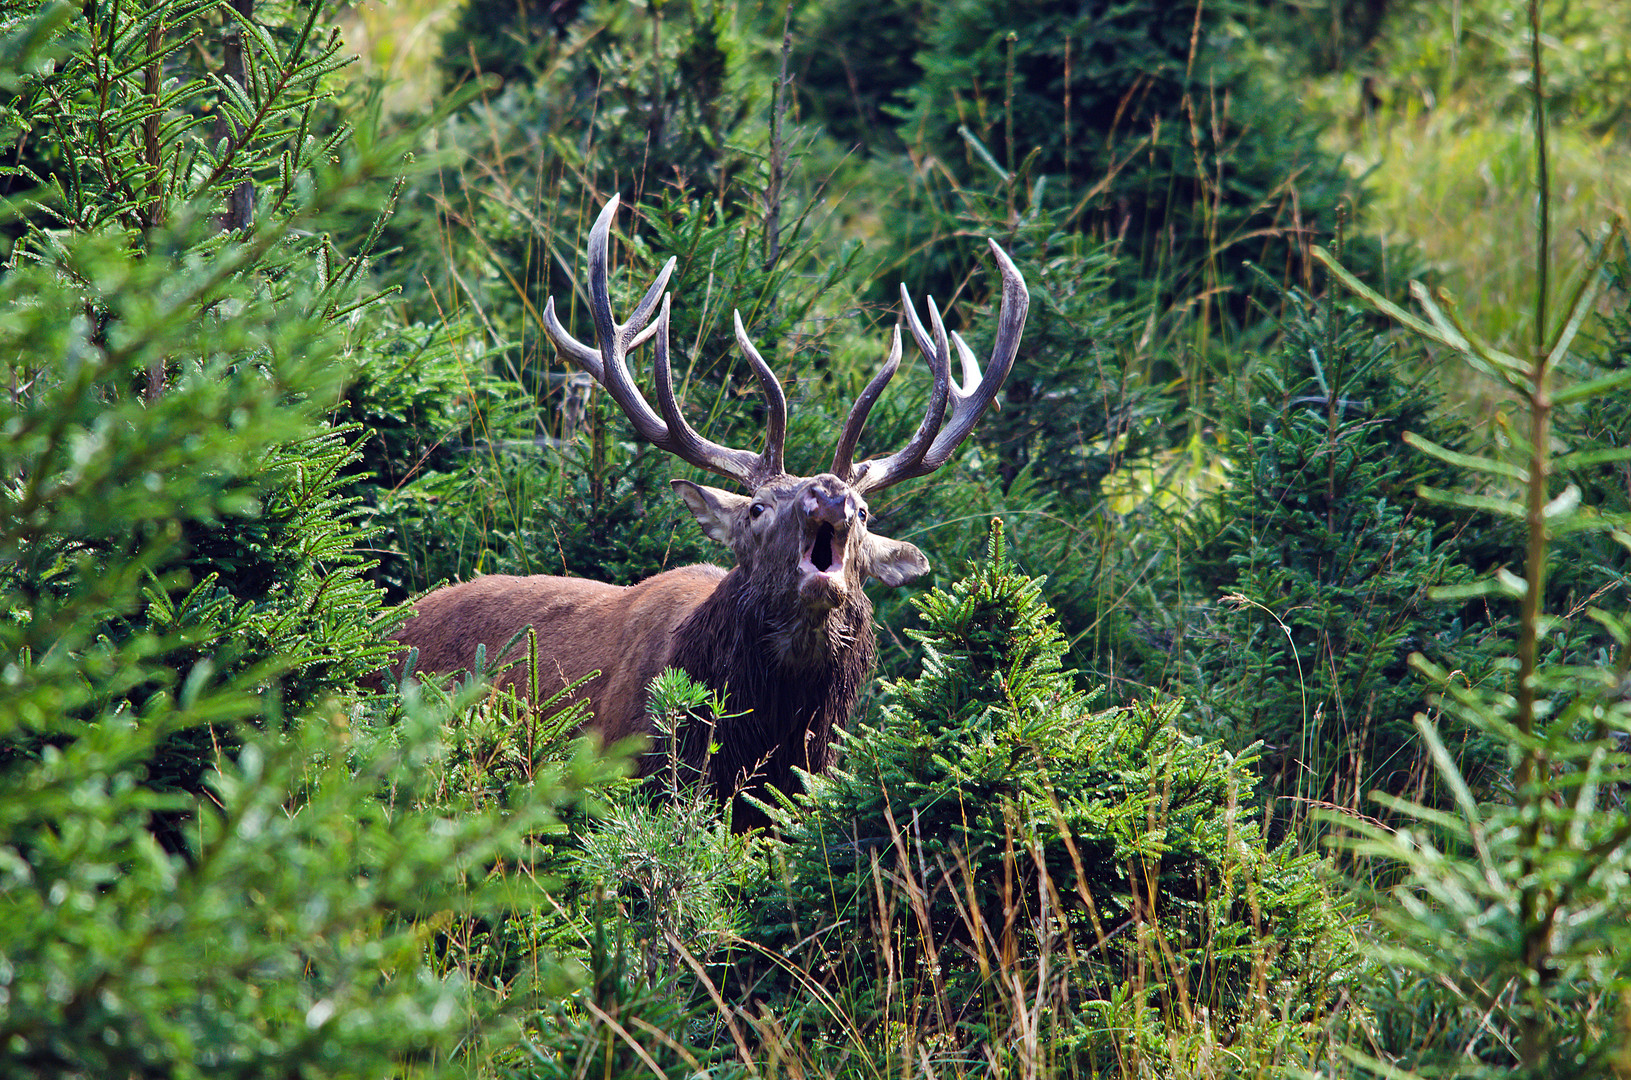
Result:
{"points": [[786, 636]]}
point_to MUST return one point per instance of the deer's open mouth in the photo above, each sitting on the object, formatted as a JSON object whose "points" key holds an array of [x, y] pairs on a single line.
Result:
{"points": [[825, 555]]}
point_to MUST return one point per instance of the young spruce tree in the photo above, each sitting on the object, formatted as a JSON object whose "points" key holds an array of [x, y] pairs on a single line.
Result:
{"points": [[1312, 573], [994, 829]]}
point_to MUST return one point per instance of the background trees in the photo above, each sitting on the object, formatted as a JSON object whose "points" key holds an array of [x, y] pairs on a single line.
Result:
{"points": [[273, 364]]}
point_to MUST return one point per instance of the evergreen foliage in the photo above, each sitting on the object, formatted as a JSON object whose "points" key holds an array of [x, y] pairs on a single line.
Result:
{"points": [[503, 38], [856, 63], [994, 816], [165, 265], [1075, 418], [1592, 569], [1072, 412], [594, 1033], [1517, 911], [1514, 914], [466, 475], [205, 868], [442, 428], [635, 98], [665, 851], [1153, 133], [1312, 571], [139, 132]]}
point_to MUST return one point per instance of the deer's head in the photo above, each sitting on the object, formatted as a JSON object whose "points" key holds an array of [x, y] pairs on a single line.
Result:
{"points": [[803, 537], [796, 537]]}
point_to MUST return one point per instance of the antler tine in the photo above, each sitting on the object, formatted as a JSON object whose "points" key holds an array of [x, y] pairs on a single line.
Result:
{"points": [[876, 473], [642, 310], [844, 453], [609, 364], [968, 402], [582, 355], [590, 359], [770, 460], [685, 443], [615, 340]]}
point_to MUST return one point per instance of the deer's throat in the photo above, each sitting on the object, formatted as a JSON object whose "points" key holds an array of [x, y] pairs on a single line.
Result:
{"points": [[808, 621]]}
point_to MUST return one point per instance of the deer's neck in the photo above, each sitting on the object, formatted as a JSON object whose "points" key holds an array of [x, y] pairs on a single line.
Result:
{"points": [[771, 634], [790, 678]]}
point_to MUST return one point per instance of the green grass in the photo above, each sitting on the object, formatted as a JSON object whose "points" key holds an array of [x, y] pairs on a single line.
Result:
{"points": [[1462, 188], [1439, 120]]}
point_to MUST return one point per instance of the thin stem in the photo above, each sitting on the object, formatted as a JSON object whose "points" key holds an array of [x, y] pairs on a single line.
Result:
{"points": [[1008, 121], [778, 148], [1543, 208], [152, 151], [153, 160], [241, 200], [1538, 905]]}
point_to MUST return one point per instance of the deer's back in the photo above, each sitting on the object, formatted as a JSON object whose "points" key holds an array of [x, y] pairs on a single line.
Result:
{"points": [[624, 632]]}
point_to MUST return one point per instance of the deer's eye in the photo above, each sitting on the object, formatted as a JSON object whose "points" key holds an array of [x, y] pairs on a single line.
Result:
{"points": [[861, 515], [756, 510]]}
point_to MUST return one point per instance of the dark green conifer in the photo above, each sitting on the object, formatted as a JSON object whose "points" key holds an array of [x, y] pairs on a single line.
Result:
{"points": [[1311, 571], [994, 825]]}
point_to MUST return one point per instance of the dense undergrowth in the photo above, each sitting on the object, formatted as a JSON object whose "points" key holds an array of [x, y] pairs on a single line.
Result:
{"points": [[1266, 712]]}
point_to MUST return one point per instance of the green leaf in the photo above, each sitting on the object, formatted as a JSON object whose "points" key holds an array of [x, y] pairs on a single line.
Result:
{"points": [[1589, 520], [1563, 504], [1466, 461], [1581, 304], [1582, 459], [1471, 590], [1591, 388], [1504, 507], [1371, 296]]}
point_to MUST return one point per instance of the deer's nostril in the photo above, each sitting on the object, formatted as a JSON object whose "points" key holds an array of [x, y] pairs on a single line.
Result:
{"points": [[827, 506]]}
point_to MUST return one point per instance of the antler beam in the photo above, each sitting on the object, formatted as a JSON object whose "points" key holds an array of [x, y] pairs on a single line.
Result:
{"points": [[608, 365]]}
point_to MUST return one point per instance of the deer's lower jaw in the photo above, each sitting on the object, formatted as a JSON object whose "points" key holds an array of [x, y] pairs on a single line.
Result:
{"points": [[821, 592]]}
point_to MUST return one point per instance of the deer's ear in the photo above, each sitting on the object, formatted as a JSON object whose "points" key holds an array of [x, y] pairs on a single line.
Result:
{"points": [[894, 562], [715, 510]]}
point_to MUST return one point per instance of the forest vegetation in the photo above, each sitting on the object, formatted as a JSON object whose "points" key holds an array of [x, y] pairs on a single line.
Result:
{"points": [[1267, 711]]}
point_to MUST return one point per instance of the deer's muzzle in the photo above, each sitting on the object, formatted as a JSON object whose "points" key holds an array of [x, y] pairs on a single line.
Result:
{"points": [[829, 511]]}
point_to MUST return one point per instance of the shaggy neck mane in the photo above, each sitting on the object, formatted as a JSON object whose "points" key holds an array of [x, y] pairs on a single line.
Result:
{"points": [[792, 676]]}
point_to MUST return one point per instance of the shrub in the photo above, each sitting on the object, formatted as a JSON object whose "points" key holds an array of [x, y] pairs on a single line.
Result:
{"points": [[507, 38], [189, 252], [449, 446], [1508, 927], [1153, 133], [997, 855], [1511, 917], [1311, 573], [635, 98], [208, 862]]}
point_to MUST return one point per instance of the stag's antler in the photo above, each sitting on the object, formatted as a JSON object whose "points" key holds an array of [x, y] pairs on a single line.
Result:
{"points": [[609, 367], [930, 447]]}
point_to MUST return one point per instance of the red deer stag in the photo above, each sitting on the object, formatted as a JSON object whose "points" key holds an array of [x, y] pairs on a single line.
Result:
{"points": [[786, 636]]}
